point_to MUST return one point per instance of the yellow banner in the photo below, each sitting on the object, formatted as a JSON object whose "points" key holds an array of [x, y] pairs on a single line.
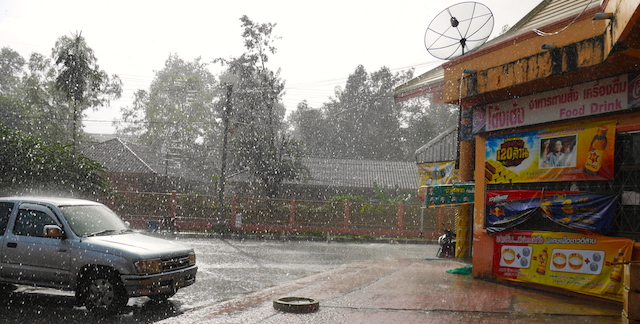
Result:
{"points": [[582, 152], [576, 262]]}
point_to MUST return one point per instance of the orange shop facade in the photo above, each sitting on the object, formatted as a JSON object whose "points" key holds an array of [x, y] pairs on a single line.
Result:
{"points": [[550, 135]]}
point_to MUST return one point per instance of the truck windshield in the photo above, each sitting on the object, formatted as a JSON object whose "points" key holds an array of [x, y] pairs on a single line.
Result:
{"points": [[93, 220]]}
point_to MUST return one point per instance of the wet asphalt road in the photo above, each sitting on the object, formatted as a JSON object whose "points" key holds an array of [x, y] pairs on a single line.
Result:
{"points": [[226, 269]]}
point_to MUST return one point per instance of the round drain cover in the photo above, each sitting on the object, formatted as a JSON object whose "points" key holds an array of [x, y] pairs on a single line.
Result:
{"points": [[296, 304]]}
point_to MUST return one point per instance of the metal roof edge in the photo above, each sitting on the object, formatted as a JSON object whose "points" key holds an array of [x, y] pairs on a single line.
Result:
{"points": [[436, 139]]}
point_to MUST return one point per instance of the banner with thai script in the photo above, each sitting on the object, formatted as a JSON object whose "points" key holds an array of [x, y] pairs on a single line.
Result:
{"points": [[575, 262], [582, 152], [435, 174], [583, 211], [450, 195], [580, 100]]}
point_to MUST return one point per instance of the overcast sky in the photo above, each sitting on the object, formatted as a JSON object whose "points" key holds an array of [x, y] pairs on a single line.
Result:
{"points": [[322, 42]]}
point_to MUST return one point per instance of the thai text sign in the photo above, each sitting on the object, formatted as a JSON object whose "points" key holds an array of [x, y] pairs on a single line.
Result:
{"points": [[576, 262], [450, 195], [581, 152], [586, 99]]}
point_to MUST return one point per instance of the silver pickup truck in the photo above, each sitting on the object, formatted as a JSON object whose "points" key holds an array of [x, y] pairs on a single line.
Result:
{"points": [[83, 246]]}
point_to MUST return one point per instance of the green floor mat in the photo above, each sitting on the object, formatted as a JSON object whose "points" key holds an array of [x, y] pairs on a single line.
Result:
{"points": [[462, 271]]}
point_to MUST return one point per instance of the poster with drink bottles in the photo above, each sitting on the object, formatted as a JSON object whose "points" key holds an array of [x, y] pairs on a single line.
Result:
{"points": [[583, 263], [581, 152], [435, 174]]}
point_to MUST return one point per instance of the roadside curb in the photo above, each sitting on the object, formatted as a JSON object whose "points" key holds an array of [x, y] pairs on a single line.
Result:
{"points": [[270, 237]]}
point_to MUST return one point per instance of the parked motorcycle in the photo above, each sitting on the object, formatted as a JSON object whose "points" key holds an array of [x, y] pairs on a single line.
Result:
{"points": [[447, 243]]}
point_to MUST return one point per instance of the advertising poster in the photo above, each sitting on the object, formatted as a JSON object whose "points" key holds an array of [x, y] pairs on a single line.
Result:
{"points": [[505, 209], [435, 174], [575, 262], [578, 153], [584, 211]]}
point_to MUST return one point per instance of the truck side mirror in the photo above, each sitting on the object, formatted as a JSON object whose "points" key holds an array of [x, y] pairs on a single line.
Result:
{"points": [[53, 231]]}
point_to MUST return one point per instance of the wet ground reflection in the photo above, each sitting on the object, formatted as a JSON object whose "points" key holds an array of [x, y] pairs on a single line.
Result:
{"points": [[227, 269]]}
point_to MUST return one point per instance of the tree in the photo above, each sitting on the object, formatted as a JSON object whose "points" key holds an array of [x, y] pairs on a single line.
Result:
{"points": [[11, 65], [47, 112], [178, 114], [28, 165], [425, 119], [80, 79], [259, 141], [28, 98], [362, 121], [308, 127]]}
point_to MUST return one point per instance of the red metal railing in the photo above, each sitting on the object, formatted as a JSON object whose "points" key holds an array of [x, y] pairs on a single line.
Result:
{"points": [[201, 213]]}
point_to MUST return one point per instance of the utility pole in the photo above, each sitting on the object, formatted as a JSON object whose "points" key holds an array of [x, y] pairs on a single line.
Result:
{"points": [[226, 113]]}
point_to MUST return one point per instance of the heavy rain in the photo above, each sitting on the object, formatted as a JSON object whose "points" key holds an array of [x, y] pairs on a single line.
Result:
{"points": [[228, 268], [208, 145]]}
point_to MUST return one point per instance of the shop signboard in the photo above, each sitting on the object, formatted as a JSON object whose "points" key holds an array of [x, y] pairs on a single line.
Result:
{"points": [[577, 262], [582, 152], [580, 100]]}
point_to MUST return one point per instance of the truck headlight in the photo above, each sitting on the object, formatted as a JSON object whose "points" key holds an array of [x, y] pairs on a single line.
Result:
{"points": [[192, 258], [149, 266]]}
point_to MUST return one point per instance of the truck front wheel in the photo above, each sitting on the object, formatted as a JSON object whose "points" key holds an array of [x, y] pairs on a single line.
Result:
{"points": [[103, 292]]}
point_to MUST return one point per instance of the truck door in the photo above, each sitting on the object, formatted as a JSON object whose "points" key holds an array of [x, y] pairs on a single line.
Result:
{"points": [[6, 208], [31, 258]]}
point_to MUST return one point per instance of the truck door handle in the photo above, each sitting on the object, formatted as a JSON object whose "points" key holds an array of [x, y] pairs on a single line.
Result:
{"points": [[12, 245]]}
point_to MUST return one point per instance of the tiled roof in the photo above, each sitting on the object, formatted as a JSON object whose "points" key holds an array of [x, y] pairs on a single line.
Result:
{"points": [[120, 156], [117, 156], [361, 173]]}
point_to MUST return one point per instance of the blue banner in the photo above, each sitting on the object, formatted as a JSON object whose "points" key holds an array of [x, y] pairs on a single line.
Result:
{"points": [[578, 210], [583, 211]]}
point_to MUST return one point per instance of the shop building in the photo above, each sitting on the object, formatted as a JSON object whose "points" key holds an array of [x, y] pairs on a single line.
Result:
{"points": [[550, 136]]}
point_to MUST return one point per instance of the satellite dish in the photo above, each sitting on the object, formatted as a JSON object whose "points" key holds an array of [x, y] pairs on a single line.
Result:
{"points": [[458, 29]]}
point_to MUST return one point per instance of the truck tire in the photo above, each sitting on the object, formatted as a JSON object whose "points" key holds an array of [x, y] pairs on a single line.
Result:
{"points": [[104, 292]]}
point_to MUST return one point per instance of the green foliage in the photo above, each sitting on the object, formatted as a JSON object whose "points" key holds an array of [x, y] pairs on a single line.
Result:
{"points": [[312, 233], [79, 79], [177, 114], [385, 198], [363, 121], [11, 64], [258, 141], [76, 74], [426, 119], [45, 96], [28, 165]]}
